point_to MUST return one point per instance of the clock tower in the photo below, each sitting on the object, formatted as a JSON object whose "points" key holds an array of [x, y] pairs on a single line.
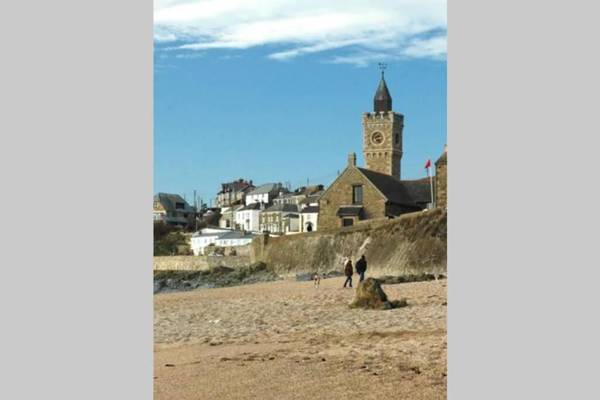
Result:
{"points": [[382, 134]]}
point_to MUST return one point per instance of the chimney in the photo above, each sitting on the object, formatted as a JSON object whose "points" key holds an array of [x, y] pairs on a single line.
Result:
{"points": [[352, 159]]}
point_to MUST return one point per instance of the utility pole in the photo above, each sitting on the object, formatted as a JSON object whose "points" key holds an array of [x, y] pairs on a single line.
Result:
{"points": [[196, 214]]}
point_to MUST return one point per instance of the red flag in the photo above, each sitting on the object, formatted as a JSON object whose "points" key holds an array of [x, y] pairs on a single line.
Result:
{"points": [[428, 164]]}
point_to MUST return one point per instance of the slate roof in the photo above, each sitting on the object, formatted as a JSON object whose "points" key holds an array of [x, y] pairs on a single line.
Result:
{"points": [[169, 200], [266, 188], [282, 208], [310, 209], [400, 192], [236, 235], [249, 207], [382, 100]]}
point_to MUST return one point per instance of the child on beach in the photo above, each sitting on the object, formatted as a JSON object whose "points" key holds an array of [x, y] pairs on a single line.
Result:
{"points": [[317, 279]]}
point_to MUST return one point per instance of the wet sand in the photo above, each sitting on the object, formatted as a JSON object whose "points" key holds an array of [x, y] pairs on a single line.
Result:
{"points": [[290, 340]]}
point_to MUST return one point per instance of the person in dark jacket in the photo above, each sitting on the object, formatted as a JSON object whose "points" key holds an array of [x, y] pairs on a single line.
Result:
{"points": [[361, 268], [348, 271]]}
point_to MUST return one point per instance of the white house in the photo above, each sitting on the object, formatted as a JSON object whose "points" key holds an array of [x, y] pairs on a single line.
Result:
{"points": [[205, 237], [247, 217], [309, 212], [309, 218], [264, 193]]}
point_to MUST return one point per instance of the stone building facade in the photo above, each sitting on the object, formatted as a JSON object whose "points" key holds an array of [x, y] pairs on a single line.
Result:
{"points": [[382, 134], [374, 192], [441, 180], [382, 142], [361, 194]]}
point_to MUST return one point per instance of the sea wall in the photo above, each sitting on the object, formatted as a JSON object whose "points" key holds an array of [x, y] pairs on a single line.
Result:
{"points": [[411, 244], [197, 263]]}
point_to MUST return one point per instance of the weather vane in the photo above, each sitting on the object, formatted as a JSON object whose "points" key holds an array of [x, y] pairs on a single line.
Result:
{"points": [[382, 67]]}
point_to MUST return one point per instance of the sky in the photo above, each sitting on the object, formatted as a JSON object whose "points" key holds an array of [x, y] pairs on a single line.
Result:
{"points": [[274, 91]]}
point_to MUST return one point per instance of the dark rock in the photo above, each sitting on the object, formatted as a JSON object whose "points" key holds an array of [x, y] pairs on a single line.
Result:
{"points": [[334, 274], [158, 285], [304, 277], [370, 295]]}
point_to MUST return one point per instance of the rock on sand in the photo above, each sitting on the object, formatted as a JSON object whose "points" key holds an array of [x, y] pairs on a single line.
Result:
{"points": [[369, 294]]}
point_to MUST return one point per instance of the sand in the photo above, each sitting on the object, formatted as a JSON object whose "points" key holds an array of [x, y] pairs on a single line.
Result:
{"points": [[290, 340]]}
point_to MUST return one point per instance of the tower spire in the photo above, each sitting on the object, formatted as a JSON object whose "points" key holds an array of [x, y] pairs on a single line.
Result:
{"points": [[382, 100]]}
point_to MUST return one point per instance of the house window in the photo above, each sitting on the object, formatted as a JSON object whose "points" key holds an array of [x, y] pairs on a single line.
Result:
{"points": [[357, 194], [347, 222], [179, 206]]}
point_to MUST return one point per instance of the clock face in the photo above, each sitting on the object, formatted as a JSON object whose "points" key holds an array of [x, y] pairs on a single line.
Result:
{"points": [[377, 138]]}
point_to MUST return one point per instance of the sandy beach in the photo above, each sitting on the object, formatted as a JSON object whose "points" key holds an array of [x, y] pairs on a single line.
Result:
{"points": [[290, 340]]}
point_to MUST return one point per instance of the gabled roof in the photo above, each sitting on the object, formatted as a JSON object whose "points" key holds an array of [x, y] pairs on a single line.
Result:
{"points": [[168, 201], [310, 209], [399, 192], [266, 188]]}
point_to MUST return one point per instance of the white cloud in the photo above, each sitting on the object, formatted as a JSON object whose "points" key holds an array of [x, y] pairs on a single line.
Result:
{"points": [[377, 29]]}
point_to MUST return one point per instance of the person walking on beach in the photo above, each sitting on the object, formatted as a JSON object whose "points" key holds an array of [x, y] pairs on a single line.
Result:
{"points": [[348, 272], [361, 268]]}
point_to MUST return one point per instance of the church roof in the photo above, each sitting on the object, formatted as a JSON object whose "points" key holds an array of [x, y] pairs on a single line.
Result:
{"points": [[399, 192], [382, 100]]}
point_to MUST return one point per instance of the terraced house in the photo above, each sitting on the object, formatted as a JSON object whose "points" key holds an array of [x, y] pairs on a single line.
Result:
{"points": [[233, 193], [280, 219]]}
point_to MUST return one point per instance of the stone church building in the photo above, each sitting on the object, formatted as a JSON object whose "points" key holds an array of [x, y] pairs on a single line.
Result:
{"points": [[375, 191]]}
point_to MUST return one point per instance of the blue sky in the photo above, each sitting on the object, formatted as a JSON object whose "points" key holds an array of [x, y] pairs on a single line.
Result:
{"points": [[256, 99]]}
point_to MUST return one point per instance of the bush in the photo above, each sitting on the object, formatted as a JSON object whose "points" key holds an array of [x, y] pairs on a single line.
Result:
{"points": [[169, 240]]}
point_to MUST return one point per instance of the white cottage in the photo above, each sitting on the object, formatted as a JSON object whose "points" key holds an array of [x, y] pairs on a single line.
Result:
{"points": [[248, 217], [264, 193], [309, 218], [204, 238]]}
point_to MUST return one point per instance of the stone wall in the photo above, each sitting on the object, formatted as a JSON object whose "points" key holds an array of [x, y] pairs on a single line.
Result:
{"points": [[198, 263], [441, 181], [410, 244]]}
